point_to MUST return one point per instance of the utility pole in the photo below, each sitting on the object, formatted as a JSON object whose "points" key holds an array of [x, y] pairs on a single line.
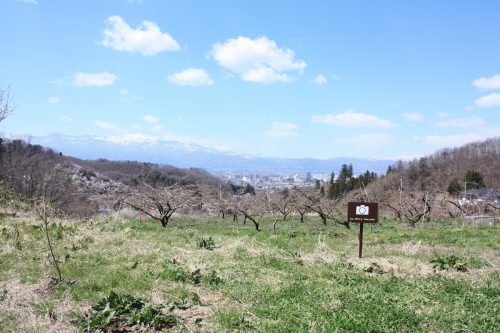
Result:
{"points": [[401, 191], [466, 191]]}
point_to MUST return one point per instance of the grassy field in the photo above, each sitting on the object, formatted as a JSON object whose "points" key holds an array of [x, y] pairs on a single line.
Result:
{"points": [[211, 275]]}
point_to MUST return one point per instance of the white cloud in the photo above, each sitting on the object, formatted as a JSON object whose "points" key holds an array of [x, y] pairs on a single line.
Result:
{"points": [[471, 122], [454, 140], [256, 60], [66, 119], [352, 119], [193, 77], [282, 130], [443, 115], [32, 2], [265, 75], [94, 79], [54, 100], [105, 125], [413, 116], [146, 39], [488, 83], [469, 107], [368, 139], [60, 82], [123, 92], [320, 79], [157, 128], [480, 131], [336, 77], [151, 119], [489, 101]]}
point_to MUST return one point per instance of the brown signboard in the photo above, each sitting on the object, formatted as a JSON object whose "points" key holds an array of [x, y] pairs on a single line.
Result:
{"points": [[362, 212]]}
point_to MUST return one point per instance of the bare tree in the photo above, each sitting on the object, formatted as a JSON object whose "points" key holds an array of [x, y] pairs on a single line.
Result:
{"points": [[160, 203], [253, 207], [45, 210], [325, 208], [233, 208], [283, 203], [298, 203], [223, 203], [417, 205], [279, 205], [6, 106]]}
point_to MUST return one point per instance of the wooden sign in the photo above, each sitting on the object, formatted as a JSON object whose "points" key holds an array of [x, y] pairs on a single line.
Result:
{"points": [[362, 212]]}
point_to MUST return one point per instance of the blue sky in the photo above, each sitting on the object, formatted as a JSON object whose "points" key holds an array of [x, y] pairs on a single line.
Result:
{"points": [[382, 79]]}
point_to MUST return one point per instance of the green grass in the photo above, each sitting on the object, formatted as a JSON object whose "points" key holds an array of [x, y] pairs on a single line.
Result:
{"points": [[307, 278]]}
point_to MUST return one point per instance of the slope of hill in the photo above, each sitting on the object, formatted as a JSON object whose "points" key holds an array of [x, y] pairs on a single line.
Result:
{"points": [[81, 187], [437, 171]]}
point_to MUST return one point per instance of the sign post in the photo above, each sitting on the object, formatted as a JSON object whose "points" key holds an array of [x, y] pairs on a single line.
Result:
{"points": [[360, 241], [362, 212]]}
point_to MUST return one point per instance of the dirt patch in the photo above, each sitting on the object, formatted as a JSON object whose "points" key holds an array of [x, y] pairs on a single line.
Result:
{"points": [[194, 317]]}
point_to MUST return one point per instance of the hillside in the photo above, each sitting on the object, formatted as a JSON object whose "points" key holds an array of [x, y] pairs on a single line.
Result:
{"points": [[437, 171], [82, 187]]}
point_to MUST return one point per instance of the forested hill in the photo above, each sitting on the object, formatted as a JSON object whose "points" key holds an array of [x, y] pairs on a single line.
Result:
{"points": [[81, 187], [449, 167], [128, 172]]}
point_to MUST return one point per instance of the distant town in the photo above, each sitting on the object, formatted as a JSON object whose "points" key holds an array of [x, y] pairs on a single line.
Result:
{"points": [[280, 181]]}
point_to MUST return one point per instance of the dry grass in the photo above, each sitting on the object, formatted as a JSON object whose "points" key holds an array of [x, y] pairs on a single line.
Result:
{"points": [[113, 253], [26, 307]]}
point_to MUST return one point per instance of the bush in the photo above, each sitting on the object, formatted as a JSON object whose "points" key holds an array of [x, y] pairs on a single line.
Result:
{"points": [[207, 244], [174, 272], [196, 276], [444, 262], [121, 313], [213, 279], [187, 299]]}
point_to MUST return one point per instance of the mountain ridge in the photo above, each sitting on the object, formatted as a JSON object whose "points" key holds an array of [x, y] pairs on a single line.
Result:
{"points": [[184, 155]]}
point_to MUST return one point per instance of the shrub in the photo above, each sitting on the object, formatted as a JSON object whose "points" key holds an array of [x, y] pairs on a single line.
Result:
{"points": [[213, 279], [445, 262], [173, 272], [207, 244], [196, 276], [121, 313], [186, 300]]}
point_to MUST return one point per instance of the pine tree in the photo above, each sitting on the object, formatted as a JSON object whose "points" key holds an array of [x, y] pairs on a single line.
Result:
{"points": [[454, 188], [474, 179]]}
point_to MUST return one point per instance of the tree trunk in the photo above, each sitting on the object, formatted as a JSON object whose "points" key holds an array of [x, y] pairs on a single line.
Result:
{"points": [[54, 260], [323, 218], [256, 224], [301, 218], [164, 220]]}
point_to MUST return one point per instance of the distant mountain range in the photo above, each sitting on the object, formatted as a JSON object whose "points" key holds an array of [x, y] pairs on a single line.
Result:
{"points": [[184, 155]]}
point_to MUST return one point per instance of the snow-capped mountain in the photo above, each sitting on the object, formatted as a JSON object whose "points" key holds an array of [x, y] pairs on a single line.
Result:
{"points": [[165, 151]]}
